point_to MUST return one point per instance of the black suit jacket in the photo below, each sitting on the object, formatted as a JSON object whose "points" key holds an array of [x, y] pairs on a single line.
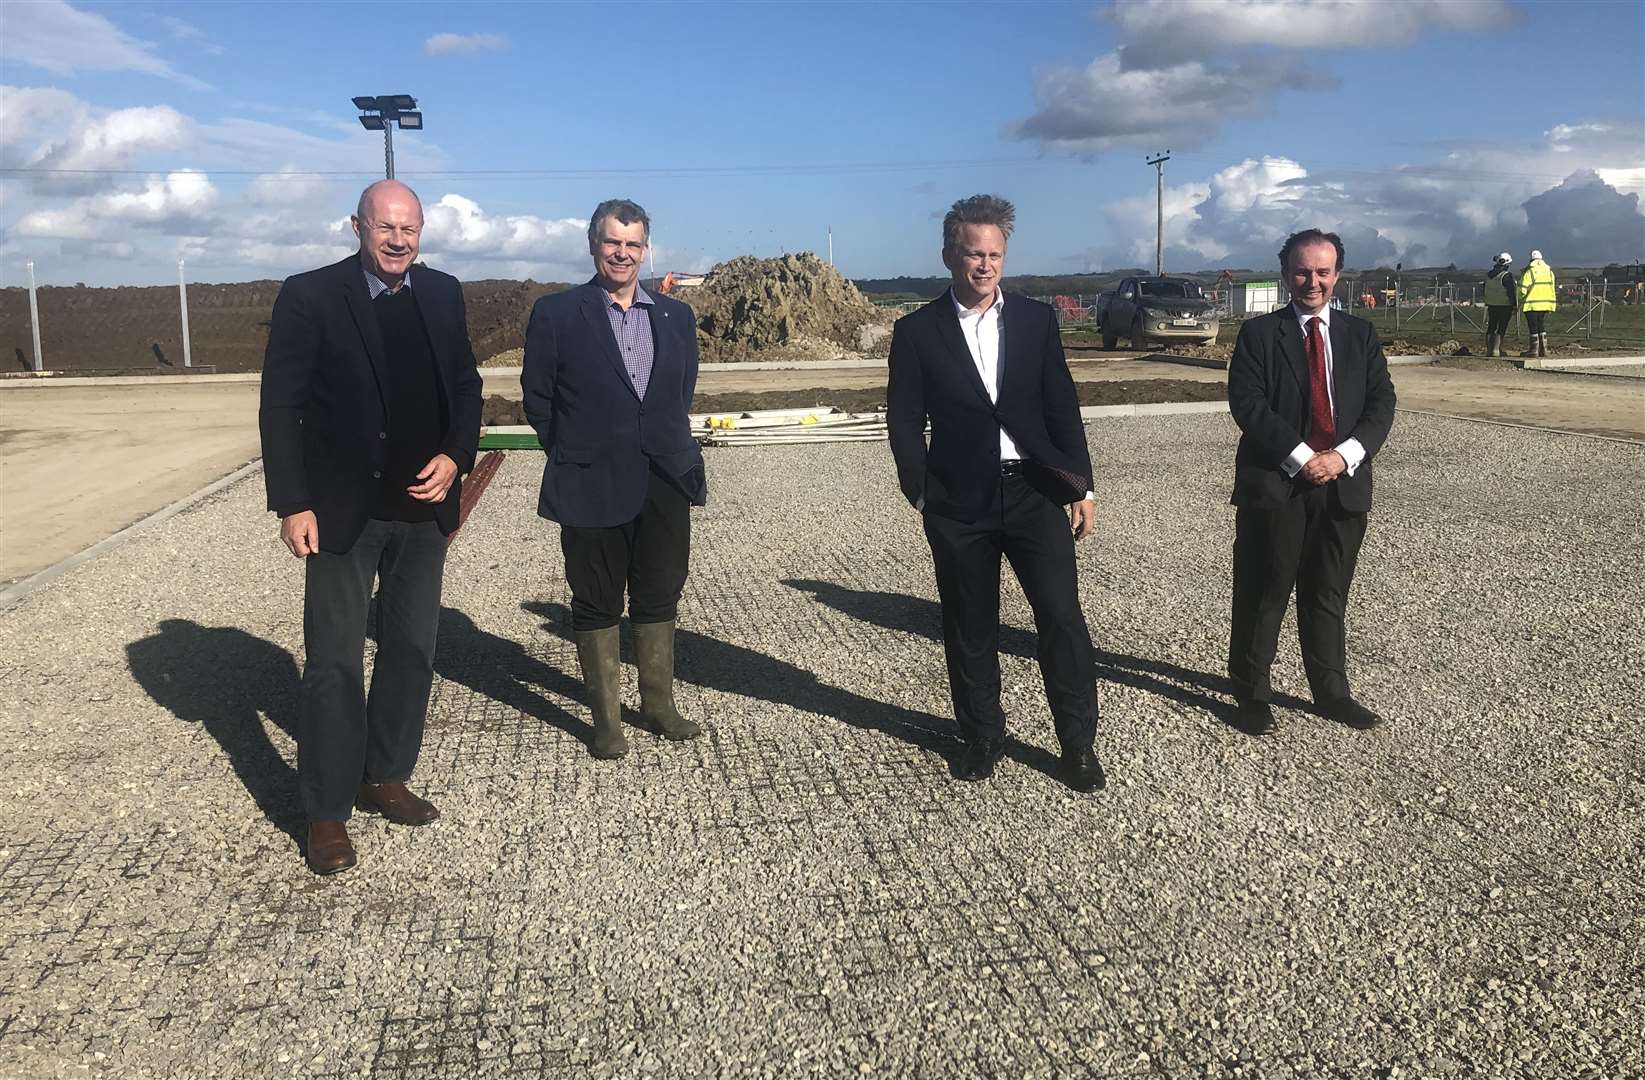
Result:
{"points": [[933, 377], [601, 438], [1268, 396], [324, 419]]}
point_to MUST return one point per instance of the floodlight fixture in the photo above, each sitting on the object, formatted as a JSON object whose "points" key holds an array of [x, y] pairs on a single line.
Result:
{"points": [[381, 113]]}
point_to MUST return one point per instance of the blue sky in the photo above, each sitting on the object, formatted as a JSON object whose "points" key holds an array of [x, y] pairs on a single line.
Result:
{"points": [[1428, 131]]}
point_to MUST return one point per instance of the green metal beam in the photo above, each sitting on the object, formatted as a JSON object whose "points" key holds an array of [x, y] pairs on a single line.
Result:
{"points": [[510, 442]]}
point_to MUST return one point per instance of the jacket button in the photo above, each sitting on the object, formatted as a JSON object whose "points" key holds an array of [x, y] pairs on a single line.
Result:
{"points": [[382, 434], [377, 474]]}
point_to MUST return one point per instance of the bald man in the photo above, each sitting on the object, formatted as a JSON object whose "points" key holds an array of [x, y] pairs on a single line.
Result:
{"points": [[370, 416]]}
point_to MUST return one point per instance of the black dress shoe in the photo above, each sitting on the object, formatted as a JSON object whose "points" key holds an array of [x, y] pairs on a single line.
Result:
{"points": [[1254, 717], [1348, 711], [1082, 771], [979, 759]]}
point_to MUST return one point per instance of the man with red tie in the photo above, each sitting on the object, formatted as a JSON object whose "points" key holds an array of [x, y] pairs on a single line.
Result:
{"points": [[1309, 388]]}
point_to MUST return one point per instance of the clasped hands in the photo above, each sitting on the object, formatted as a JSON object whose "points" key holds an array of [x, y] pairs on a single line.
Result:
{"points": [[1323, 467], [300, 532]]}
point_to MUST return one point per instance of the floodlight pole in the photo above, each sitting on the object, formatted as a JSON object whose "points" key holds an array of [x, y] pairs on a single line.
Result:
{"points": [[34, 319], [182, 304], [1159, 211], [388, 111]]}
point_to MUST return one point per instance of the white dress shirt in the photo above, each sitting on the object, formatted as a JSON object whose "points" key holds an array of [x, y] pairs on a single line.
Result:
{"points": [[984, 334], [1350, 449]]}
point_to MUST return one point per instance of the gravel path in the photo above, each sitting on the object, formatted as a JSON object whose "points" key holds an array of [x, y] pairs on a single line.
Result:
{"points": [[804, 891]]}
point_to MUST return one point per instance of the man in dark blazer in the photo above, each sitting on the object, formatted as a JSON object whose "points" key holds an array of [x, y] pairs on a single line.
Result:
{"points": [[610, 370], [1309, 388], [1007, 455], [370, 415]]}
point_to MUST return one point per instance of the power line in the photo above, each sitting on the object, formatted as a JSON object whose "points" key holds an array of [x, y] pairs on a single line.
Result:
{"points": [[773, 169]]}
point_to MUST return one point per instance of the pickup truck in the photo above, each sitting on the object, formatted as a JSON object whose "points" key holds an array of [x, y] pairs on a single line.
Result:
{"points": [[1156, 309]]}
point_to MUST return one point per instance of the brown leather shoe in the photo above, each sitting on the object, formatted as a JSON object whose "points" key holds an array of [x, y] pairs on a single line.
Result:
{"points": [[395, 801], [329, 849]]}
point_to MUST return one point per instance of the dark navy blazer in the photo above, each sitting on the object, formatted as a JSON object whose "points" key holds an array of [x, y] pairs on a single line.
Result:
{"points": [[601, 438]]}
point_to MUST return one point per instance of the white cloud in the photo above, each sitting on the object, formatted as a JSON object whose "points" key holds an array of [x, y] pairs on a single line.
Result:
{"points": [[169, 202], [456, 225], [1106, 105], [1185, 67], [53, 36], [1478, 199], [1167, 31], [450, 44], [180, 203]]}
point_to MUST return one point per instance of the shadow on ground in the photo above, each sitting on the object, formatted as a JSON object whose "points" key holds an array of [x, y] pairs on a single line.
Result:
{"points": [[227, 680], [917, 615], [712, 664]]}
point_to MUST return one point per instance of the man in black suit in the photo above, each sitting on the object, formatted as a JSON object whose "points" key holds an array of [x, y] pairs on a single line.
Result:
{"points": [[1007, 454], [370, 415], [1309, 389], [610, 370]]}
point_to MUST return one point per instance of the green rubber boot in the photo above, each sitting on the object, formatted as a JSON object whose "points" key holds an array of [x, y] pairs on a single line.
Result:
{"points": [[654, 655], [598, 651]]}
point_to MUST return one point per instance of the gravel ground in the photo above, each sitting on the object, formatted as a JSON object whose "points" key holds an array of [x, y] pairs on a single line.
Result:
{"points": [[804, 891]]}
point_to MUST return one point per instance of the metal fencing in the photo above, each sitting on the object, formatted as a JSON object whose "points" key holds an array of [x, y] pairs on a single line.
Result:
{"points": [[150, 326], [1602, 314]]}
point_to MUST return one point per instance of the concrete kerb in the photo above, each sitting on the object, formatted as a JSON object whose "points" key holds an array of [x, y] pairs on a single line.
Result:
{"points": [[20, 589], [1555, 363], [48, 378]]}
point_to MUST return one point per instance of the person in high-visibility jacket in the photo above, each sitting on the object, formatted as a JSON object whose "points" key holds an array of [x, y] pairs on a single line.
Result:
{"points": [[1501, 295], [1536, 298]]}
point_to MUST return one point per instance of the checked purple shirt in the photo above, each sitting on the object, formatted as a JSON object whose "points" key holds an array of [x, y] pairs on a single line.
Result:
{"points": [[632, 329]]}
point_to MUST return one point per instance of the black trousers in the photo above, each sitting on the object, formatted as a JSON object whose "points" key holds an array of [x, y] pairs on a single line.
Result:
{"points": [[1498, 317], [649, 557], [1536, 322], [1311, 544], [345, 737], [1032, 533]]}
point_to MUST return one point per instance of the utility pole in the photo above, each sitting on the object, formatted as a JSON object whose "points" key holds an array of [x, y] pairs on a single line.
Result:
{"points": [[1159, 211]]}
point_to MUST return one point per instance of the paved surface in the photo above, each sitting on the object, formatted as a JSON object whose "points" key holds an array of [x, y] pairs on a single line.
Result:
{"points": [[805, 891], [78, 463]]}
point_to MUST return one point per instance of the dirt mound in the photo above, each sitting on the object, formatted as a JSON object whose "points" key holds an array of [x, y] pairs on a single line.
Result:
{"points": [[793, 307]]}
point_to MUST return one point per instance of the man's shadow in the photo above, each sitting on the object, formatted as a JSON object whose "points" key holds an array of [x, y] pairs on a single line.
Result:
{"points": [[503, 671], [223, 678], [712, 664], [915, 615]]}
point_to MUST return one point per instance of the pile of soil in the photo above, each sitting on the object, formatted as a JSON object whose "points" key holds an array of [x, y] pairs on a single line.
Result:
{"points": [[500, 411], [795, 307]]}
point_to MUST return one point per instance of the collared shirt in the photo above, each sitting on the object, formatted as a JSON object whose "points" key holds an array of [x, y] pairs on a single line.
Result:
{"points": [[632, 329], [984, 334], [377, 287], [1350, 449]]}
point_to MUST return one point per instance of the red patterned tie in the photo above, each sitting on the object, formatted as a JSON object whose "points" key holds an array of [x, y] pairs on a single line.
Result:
{"points": [[1322, 426]]}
